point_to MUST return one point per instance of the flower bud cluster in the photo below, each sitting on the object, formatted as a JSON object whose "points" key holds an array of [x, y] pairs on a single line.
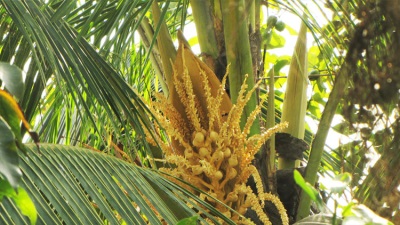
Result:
{"points": [[209, 148]]}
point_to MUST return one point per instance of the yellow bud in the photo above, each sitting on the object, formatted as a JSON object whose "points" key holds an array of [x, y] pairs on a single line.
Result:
{"points": [[242, 191], [218, 175], [214, 136], [232, 173], [227, 152], [233, 161], [203, 152], [197, 170], [232, 197], [198, 139], [218, 156]]}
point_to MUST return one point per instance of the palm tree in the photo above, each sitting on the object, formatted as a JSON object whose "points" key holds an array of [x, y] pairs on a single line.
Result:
{"points": [[92, 68]]}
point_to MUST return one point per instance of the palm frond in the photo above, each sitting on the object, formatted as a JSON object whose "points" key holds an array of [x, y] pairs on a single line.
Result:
{"points": [[74, 185], [78, 71]]}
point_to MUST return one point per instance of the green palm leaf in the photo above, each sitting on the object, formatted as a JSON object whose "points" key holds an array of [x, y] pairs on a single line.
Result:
{"points": [[77, 186]]}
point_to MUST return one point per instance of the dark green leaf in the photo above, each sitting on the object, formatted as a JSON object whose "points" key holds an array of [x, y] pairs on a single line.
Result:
{"points": [[63, 10], [12, 79], [9, 156]]}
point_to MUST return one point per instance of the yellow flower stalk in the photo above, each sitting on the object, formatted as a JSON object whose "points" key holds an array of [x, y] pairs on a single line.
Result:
{"points": [[207, 145]]}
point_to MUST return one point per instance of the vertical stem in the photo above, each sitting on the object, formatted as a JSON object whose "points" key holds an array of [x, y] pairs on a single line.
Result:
{"points": [[271, 123], [203, 20], [238, 54], [257, 6], [252, 15], [318, 144], [295, 102], [255, 36]]}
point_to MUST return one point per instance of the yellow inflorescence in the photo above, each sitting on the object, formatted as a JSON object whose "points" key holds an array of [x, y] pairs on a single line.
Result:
{"points": [[208, 147]]}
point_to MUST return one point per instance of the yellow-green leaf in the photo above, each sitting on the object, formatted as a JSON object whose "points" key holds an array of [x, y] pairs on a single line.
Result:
{"points": [[25, 204], [188, 221], [21, 199]]}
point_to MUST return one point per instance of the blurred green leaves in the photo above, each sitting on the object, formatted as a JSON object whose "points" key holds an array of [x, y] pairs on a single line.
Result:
{"points": [[338, 184], [9, 166], [10, 120], [362, 215], [352, 212], [11, 141]]}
